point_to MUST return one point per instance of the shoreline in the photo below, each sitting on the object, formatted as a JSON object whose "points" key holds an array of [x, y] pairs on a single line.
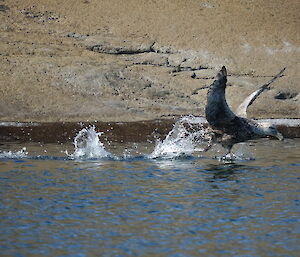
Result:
{"points": [[137, 131]]}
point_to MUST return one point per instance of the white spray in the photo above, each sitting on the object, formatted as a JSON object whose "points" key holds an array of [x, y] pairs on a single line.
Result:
{"points": [[11, 155], [186, 137], [87, 145]]}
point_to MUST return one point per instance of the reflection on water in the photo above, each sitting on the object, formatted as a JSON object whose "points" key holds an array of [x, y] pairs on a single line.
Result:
{"points": [[194, 205]]}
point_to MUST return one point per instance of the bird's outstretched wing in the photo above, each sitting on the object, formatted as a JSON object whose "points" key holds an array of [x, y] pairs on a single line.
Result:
{"points": [[242, 109]]}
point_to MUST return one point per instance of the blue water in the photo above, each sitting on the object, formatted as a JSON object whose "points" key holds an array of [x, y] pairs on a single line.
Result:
{"points": [[197, 205]]}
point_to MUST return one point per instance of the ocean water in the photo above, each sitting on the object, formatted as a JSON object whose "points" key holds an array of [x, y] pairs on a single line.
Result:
{"points": [[164, 198]]}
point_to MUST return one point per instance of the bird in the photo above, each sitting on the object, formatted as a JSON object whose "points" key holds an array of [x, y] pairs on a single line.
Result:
{"points": [[228, 128]]}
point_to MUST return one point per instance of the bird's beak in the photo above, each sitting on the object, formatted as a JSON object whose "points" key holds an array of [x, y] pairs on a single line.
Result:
{"points": [[279, 136]]}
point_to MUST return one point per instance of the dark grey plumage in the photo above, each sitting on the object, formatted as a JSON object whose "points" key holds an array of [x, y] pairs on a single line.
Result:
{"points": [[226, 127]]}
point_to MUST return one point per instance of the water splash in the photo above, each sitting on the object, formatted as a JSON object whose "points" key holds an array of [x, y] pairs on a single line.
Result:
{"points": [[186, 137], [88, 146], [241, 154], [12, 155], [189, 136]]}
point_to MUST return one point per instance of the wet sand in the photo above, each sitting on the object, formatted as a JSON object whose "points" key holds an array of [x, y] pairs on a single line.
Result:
{"points": [[141, 131], [54, 132]]}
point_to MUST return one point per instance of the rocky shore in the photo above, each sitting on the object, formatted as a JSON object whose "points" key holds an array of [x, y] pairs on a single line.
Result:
{"points": [[135, 60]]}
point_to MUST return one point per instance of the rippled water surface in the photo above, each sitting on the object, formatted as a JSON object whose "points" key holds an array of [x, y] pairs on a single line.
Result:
{"points": [[195, 205]]}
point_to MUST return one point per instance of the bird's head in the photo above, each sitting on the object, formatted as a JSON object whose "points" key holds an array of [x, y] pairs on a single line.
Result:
{"points": [[269, 129], [222, 75]]}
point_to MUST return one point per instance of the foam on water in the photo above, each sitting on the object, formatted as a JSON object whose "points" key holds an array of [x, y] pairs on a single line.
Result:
{"points": [[186, 137], [231, 157], [11, 155], [88, 145]]}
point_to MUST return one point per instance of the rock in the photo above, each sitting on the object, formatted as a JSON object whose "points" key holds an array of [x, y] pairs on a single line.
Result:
{"points": [[115, 45], [285, 95], [151, 58]]}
